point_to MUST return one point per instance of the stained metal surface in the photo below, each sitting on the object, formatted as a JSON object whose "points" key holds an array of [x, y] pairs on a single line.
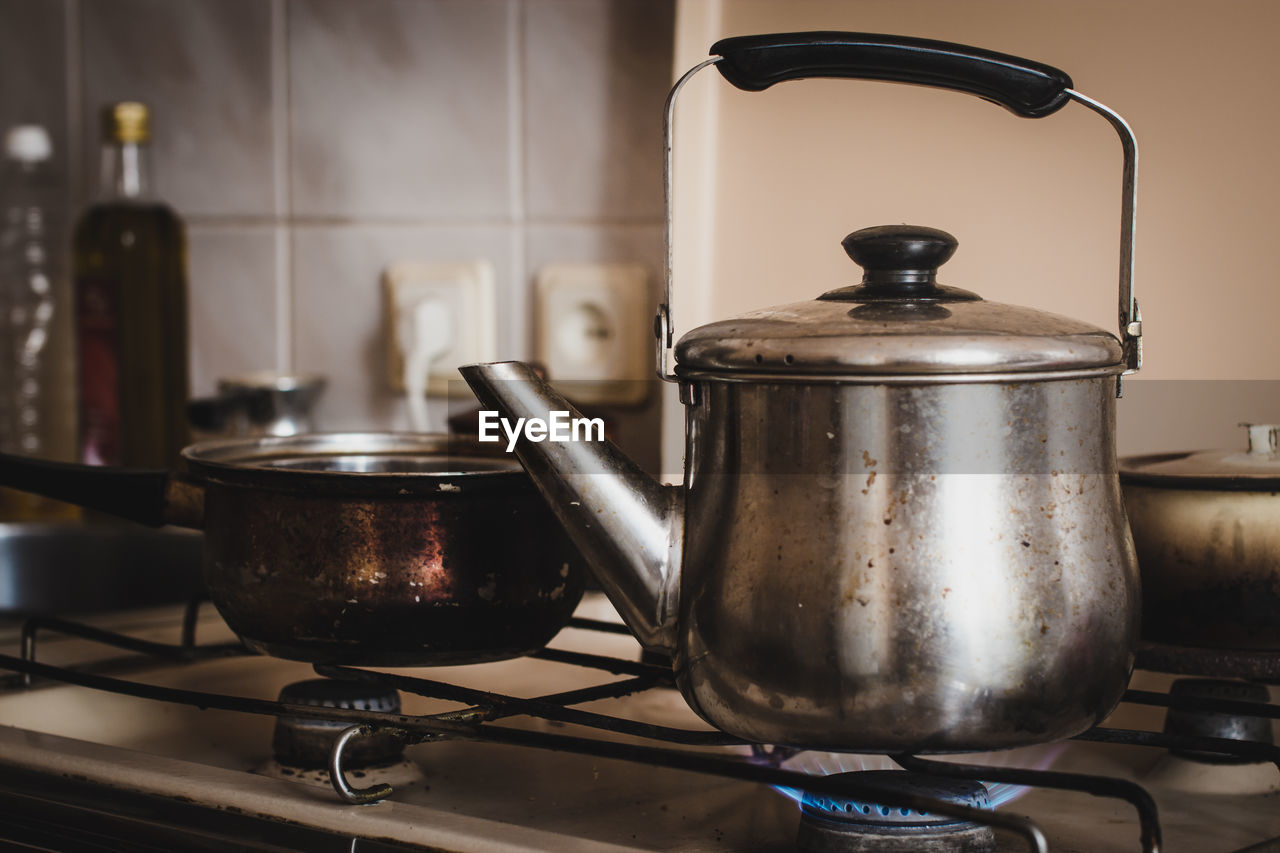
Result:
{"points": [[454, 578], [1210, 564], [373, 548], [875, 568], [887, 568], [835, 337], [1205, 526], [901, 321]]}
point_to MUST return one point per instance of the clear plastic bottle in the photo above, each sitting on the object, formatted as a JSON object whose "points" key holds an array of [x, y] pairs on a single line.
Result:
{"points": [[29, 261], [27, 292]]}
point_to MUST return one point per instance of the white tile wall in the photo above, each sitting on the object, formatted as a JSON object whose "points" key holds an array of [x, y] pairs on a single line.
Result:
{"points": [[33, 61], [232, 301], [399, 109], [204, 68], [591, 103], [309, 143]]}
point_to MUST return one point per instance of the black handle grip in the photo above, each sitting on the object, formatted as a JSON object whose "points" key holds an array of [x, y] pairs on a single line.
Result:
{"points": [[126, 493], [1029, 89]]}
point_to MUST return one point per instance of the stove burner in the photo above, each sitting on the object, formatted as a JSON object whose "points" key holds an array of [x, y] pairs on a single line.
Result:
{"points": [[306, 743], [838, 825], [1214, 773], [1206, 724]]}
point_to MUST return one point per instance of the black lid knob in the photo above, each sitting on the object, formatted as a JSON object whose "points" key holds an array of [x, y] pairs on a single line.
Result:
{"points": [[904, 258]]}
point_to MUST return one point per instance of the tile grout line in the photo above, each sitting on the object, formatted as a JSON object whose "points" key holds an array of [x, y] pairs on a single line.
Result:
{"points": [[518, 300], [282, 201], [65, 437], [73, 44]]}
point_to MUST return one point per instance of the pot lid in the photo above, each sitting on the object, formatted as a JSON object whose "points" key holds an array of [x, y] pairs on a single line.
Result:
{"points": [[1255, 469], [899, 321]]}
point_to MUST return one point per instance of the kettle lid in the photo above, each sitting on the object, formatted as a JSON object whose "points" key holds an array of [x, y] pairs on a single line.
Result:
{"points": [[899, 322]]}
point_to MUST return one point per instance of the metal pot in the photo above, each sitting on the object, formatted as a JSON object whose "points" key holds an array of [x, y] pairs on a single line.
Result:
{"points": [[1207, 530], [260, 402], [359, 548], [900, 527]]}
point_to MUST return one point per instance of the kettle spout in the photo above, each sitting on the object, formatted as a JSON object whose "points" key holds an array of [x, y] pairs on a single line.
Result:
{"points": [[627, 525]]}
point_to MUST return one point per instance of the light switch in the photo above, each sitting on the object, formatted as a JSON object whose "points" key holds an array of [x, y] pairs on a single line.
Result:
{"points": [[593, 330]]}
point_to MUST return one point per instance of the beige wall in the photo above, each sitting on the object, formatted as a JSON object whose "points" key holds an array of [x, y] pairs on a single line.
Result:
{"points": [[1034, 203]]}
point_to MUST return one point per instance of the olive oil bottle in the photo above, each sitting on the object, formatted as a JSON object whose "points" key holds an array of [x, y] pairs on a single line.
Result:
{"points": [[129, 258]]}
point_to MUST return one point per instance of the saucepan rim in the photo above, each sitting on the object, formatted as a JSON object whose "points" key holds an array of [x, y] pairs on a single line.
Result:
{"points": [[376, 464]]}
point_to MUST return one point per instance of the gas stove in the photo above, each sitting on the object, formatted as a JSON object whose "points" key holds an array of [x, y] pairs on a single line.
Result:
{"points": [[149, 730]]}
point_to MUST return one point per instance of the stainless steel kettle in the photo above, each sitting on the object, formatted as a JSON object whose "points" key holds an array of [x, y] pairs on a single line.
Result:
{"points": [[900, 527]]}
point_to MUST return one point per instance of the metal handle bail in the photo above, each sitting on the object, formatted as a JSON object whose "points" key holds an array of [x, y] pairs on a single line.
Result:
{"points": [[1130, 315]]}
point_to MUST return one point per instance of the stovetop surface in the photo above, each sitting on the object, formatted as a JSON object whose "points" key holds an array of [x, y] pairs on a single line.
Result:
{"points": [[496, 797]]}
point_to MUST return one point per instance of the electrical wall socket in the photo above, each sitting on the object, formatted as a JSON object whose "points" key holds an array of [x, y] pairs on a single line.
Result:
{"points": [[467, 289], [593, 330]]}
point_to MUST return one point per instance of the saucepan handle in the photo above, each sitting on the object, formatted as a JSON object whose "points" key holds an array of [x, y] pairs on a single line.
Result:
{"points": [[1027, 88], [1030, 89], [154, 498]]}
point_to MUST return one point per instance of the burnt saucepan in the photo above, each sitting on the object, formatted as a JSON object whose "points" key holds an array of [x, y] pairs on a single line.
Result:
{"points": [[1207, 529], [375, 549]]}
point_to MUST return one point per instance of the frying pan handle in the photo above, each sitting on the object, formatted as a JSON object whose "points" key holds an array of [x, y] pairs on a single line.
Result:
{"points": [[1029, 89], [153, 498]]}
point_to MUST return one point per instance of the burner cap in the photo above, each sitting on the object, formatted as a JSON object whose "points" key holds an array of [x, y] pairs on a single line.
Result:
{"points": [[333, 693], [1209, 724], [305, 742], [848, 825]]}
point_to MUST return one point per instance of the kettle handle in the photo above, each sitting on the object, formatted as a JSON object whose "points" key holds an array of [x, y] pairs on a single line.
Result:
{"points": [[1028, 89]]}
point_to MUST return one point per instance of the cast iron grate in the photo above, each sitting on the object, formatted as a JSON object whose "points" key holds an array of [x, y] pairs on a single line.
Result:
{"points": [[477, 721]]}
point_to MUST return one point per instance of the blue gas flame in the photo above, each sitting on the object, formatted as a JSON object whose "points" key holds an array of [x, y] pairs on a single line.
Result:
{"points": [[826, 763]]}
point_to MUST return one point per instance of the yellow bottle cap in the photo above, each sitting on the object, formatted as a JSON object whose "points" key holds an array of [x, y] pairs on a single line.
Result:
{"points": [[128, 121]]}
